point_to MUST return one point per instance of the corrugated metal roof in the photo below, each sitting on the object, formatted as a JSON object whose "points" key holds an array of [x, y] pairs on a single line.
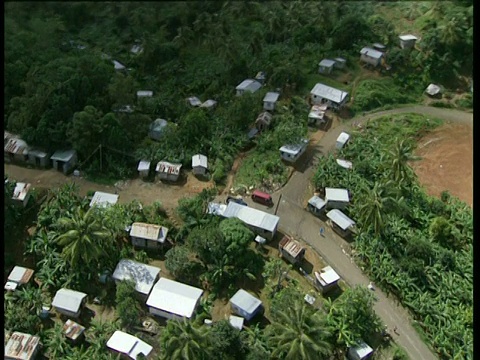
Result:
{"points": [[271, 96], [343, 138], [265, 117], [249, 85], [149, 231], [339, 218], [37, 153], [73, 330], [143, 165], [63, 155], [340, 60], [329, 93], [128, 344], [20, 275], [169, 168], [144, 93], [69, 300], [375, 54], [21, 191], [362, 350], [216, 208], [317, 111], [236, 321], [291, 246], [209, 103], [294, 149], [142, 275], [194, 101], [16, 146], [317, 202], [336, 194], [251, 216], [118, 65], [199, 160], [174, 297], [345, 163], [408, 37], [433, 89], [245, 301], [103, 199], [326, 63], [21, 346]]}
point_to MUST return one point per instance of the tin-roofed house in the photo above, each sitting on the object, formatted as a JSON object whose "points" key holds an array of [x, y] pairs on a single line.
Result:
{"points": [[38, 158], [143, 168], [324, 94], [340, 63], [128, 345], [379, 47], [144, 94], [64, 160], [337, 198], [341, 223], [270, 100], [434, 91], [168, 171], [326, 279], [407, 41], [21, 346], [245, 304], [118, 66], [69, 302], [360, 352], [199, 164], [317, 116], [292, 152], [103, 199], [15, 149], [144, 276], [326, 66], [157, 129], [342, 140], [248, 85], [18, 276], [173, 300], [371, 56], [150, 236], [263, 121], [73, 332], [208, 104], [291, 250], [316, 205], [194, 101], [22, 193]]}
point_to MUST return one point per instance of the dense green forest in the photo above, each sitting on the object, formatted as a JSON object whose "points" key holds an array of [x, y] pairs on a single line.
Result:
{"points": [[61, 89]]}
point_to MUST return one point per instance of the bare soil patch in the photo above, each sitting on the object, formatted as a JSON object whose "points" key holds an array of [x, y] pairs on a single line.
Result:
{"points": [[447, 161]]}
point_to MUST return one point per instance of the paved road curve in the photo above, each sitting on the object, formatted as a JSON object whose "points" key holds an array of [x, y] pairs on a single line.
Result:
{"points": [[297, 221]]}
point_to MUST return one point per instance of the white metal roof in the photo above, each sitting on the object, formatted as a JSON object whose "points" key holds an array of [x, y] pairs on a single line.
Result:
{"points": [[128, 344], [433, 89], [245, 301], [378, 46], [63, 155], [236, 321], [209, 103], [21, 191], [149, 231], [329, 93], [194, 101], [174, 297], [144, 93], [336, 194], [216, 208], [118, 65], [317, 111], [343, 138], [103, 199], [249, 85], [21, 346], [169, 168], [251, 216], [326, 63], [345, 163], [271, 96], [69, 300], [371, 53], [408, 37], [142, 275], [318, 202], [199, 160], [20, 275], [15, 145], [295, 148], [362, 350], [143, 165], [340, 219], [340, 60], [328, 275], [158, 125]]}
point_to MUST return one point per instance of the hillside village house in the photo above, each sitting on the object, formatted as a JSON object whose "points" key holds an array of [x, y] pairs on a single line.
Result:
{"points": [[263, 121], [128, 345], [434, 90], [38, 158], [340, 63], [379, 47], [21, 346], [143, 168], [342, 139], [236, 321], [291, 250], [73, 332], [336, 198], [150, 236], [270, 100], [209, 104], [173, 300], [64, 160], [359, 352], [371, 56], [316, 205], [168, 171], [118, 65], [157, 128], [144, 276], [341, 223], [18, 276], [326, 66], [292, 152], [21, 193], [326, 279], [103, 199], [248, 85], [199, 164], [407, 41], [316, 116], [15, 149], [144, 94], [245, 304], [345, 164], [261, 77], [194, 101], [323, 94], [69, 302]]}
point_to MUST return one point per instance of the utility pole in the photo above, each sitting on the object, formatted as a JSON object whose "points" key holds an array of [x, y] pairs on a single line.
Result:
{"points": [[101, 167]]}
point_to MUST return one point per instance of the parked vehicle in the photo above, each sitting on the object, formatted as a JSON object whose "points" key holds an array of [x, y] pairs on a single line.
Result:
{"points": [[262, 198], [238, 200]]}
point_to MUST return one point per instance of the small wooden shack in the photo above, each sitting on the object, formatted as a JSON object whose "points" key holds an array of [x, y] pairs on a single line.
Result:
{"points": [[291, 250]]}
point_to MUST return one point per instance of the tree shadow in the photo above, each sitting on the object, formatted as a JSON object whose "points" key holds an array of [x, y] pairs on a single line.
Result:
{"points": [[333, 293], [306, 265]]}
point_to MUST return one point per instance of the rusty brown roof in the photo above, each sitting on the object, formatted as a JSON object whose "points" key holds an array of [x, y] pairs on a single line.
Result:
{"points": [[72, 330], [290, 246], [21, 346]]}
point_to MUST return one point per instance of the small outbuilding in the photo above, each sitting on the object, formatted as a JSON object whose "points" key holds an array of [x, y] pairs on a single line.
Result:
{"points": [[379, 47], [326, 279], [143, 275], [64, 160], [118, 65], [336, 198], [143, 168], [38, 158], [144, 94], [360, 352], [69, 302], [407, 41], [261, 77], [209, 104], [342, 140], [128, 345], [73, 332], [270, 100], [236, 321], [316, 205], [324, 94], [371, 56], [263, 121], [340, 63], [21, 346], [168, 171], [341, 223], [345, 164], [248, 85], [102, 199], [194, 101], [291, 250], [15, 149], [150, 236], [22, 193], [434, 90], [326, 66], [157, 128], [199, 164], [245, 304], [316, 116], [18, 276], [292, 153], [173, 300]]}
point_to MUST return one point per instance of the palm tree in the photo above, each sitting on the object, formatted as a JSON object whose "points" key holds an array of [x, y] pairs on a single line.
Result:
{"points": [[56, 343], [184, 340], [299, 334], [399, 156], [84, 237]]}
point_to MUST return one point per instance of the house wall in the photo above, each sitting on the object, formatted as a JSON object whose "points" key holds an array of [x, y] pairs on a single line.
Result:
{"points": [[340, 231], [199, 170], [169, 177], [325, 70], [42, 161], [314, 210], [145, 243], [318, 100], [336, 205], [164, 314], [268, 105], [243, 313], [292, 158], [326, 288], [370, 60], [69, 313], [240, 92], [262, 232]]}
